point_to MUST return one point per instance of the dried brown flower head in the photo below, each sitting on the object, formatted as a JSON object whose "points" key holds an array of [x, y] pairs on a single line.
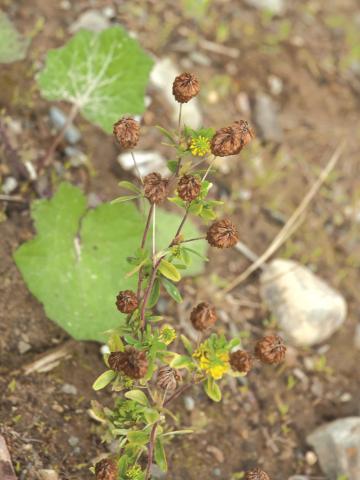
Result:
{"points": [[189, 187], [185, 87], [203, 316], [222, 234], [230, 140], [270, 349], [256, 474], [241, 361], [127, 132], [106, 469], [155, 187], [247, 133], [167, 378], [126, 301], [132, 362]]}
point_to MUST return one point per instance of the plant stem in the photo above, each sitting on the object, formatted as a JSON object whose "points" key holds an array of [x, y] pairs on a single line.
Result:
{"points": [[46, 161], [208, 169], [147, 294], [143, 242], [136, 167], [182, 223], [151, 450], [193, 239], [178, 392]]}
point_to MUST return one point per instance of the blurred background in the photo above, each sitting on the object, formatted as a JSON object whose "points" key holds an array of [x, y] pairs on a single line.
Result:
{"points": [[292, 69]]}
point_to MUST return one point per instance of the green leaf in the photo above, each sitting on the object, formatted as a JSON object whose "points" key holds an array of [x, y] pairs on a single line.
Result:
{"points": [[115, 343], [13, 46], [104, 74], [160, 456], [138, 396], [181, 361], [129, 186], [124, 198], [172, 165], [169, 271], [151, 415], [104, 379], [212, 389], [155, 294], [187, 344], [77, 262], [169, 135], [172, 290], [138, 437]]}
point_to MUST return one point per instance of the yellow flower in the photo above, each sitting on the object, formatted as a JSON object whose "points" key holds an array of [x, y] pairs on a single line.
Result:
{"points": [[216, 365], [200, 146], [167, 334]]}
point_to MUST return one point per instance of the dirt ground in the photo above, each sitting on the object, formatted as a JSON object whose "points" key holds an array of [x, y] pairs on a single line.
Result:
{"points": [[266, 419]]}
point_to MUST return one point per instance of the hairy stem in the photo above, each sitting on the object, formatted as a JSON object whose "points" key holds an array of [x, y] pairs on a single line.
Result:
{"points": [[136, 167], [143, 242], [151, 448]]}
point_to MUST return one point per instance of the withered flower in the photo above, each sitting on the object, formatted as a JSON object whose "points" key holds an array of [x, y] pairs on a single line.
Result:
{"points": [[256, 474], [189, 187], [230, 140], [106, 469], [185, 87], [167, 378], [126, 301], [270, 349], [132, 362], [222, 234], [203, 316], [127, 132], [241, 361], [155, 187]]}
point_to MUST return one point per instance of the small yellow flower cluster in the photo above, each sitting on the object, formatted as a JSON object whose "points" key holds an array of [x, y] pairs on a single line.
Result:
{"points": [[134, 473], [215, 365], [167, 334], [200, 146]]}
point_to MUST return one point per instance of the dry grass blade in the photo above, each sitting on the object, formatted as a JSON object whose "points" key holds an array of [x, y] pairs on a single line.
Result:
{"points": [[292, 224]]}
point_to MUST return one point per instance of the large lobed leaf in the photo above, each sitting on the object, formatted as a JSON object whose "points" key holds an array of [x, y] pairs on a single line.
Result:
{"points": [[76, 264], [104, 73], [12, 45]]}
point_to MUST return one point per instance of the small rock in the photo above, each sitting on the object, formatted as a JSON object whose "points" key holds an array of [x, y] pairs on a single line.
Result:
{"points": [[308, 310], [275, 6], [162, 78], [267, 118], [275, 84], [9, 185], [69, 389], [217, 472], [345, 397], [311, 458], [189, 403], [147, 162], [357, 336], [58, 119], [73, 441], [92, 20], [23, 347], [337, 445], [77, 157], [48, 475], [216, 452]]}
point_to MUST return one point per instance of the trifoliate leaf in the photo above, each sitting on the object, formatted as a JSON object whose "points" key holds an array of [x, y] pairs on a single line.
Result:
{"points": [[12, 45], [103, 73], [77, 262]]}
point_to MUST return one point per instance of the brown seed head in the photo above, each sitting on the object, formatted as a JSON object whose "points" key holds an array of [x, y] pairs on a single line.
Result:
{"points": [[127, 132], [222, 234], [270, 349], [132, 363], [247, 133], [203, 316], [189, 187], [155, 187], [167, 378], [256, 474], [126, 301], [106, 469], [230, 140], [241, 361], [185, 87]]}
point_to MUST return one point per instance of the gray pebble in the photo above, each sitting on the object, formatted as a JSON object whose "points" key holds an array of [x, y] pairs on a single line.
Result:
{"points": [[73, 441], [189, 403], [69, 389]]}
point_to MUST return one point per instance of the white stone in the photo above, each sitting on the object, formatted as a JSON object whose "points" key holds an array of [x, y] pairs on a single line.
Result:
{"points": [[266, 116], [9, 185], [162, 78], [92, 20], [275, 6], [48, 475], [147, 162], [307, 309], [337, 445]]}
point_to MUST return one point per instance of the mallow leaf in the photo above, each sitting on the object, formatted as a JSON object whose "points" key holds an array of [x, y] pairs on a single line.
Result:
{"points": [[13, 46], [104, 74], [77, 262]]}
